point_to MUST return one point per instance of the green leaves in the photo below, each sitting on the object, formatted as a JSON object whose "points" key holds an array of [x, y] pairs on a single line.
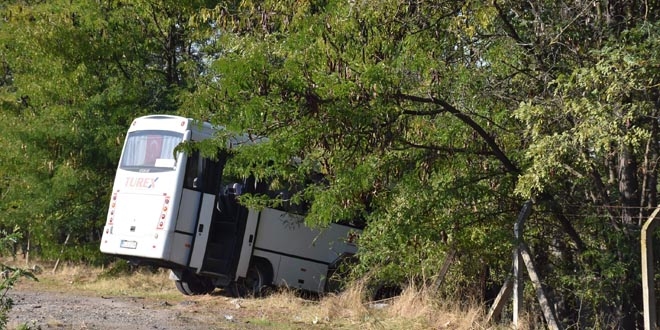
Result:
{"points": [[595, 110], [324, 82]]}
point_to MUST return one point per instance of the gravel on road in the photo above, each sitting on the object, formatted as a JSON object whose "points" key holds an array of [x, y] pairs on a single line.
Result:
{"points": [[66, 310]]}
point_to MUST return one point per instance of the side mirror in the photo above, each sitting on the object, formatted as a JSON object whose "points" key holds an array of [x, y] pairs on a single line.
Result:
{"points": [[235, 189]]}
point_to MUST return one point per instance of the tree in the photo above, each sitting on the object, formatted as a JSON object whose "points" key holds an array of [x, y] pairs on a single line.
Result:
{"points": [[388, 102], [595, 143]]}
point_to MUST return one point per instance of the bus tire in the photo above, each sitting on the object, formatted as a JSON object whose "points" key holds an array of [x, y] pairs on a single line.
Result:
{"points": [[181, 288], [384, 291], [257, 280], [193, 285]]}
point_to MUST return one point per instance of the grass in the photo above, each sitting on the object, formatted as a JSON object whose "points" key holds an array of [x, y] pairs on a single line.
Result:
{"points": [[415, 308]]}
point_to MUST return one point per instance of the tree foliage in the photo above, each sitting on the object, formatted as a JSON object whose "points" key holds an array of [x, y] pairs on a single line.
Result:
{"points": [[430, 121]]}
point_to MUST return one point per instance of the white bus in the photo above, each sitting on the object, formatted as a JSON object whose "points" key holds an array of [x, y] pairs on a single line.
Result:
{"points": [[178, 211]]}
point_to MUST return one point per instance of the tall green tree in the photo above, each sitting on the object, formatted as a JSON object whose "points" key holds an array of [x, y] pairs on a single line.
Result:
{"points": [[594, 144], [391, 103]]}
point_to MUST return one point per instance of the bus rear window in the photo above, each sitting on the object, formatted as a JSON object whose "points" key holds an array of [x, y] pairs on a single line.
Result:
{"points": [[150, 150]]}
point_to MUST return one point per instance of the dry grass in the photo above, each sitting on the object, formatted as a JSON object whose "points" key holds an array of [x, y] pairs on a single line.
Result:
{"points": [[140, 283], [419, 307], [82, 278], [347, 305], [415, 308]]}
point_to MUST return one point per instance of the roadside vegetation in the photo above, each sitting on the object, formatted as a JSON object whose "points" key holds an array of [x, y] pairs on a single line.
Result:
{"points": [[431, 122], [10, 275]]}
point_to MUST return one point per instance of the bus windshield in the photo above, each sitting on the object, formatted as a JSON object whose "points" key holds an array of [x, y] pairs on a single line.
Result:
{"points": [[150, 150]]}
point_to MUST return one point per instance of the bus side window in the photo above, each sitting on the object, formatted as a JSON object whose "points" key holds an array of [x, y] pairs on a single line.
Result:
{"points": [[212, 175], [284, 195], [193, 171], [204, 174]]}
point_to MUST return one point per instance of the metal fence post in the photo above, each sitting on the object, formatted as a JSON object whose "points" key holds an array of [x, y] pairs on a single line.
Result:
{"points": [[648, 283], [518, 280]]}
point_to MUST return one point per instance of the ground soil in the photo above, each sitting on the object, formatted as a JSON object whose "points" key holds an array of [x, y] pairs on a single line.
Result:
{"points": [[38, 309]]}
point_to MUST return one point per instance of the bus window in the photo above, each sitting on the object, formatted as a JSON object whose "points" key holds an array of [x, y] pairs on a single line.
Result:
{"points": [[204, 174], [212, 174], [150, 150], [192, 179], [286, 204]]}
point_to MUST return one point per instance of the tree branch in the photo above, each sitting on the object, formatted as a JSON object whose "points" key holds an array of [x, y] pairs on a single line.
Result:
{"points": [[566, 224], [552, 203], [511, 31], [449, 150], [446, 107]]}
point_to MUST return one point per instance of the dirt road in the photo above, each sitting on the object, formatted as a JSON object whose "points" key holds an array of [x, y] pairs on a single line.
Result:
{"points": [[66, 310], [83, 297]]}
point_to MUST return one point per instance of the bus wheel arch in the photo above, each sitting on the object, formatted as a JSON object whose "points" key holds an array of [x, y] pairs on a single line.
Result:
{"points": [[264, 268]]}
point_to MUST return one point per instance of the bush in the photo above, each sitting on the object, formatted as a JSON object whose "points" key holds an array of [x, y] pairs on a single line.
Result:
{"points": [[10, 276]]}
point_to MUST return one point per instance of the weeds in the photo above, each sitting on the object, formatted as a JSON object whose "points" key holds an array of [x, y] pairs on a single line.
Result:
{"points": [[9, 275]]}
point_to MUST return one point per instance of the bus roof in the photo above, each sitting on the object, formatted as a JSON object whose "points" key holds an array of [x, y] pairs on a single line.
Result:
{"points": [[200, 130]]}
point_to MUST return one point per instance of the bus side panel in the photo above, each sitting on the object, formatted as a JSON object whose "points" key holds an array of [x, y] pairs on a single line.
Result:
{"points": [[189, 206], [180, 248], [295, 272], [301, 274], [286, 233]]}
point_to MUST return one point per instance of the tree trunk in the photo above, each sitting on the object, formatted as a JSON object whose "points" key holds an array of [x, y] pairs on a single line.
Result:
{"points": [[628, 187], [630, 198]]}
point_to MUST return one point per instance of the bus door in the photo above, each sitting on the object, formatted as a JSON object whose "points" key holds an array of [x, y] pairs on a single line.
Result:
{"points": [[189, 208], [203, 181], [226, 231], [221, 223]]}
